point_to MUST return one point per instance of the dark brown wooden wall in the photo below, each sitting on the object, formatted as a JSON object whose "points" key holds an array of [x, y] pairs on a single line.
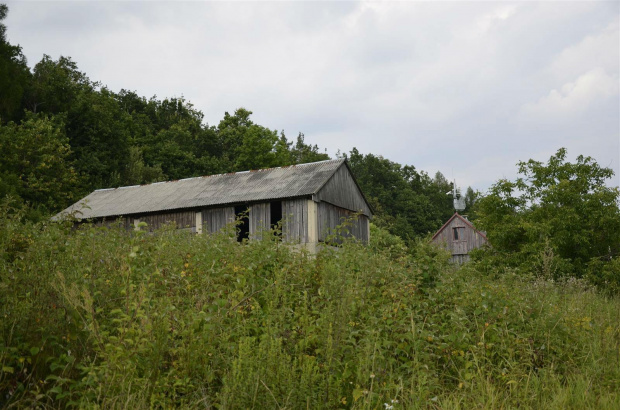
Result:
{"points": [[330, 217], [342, 191]]}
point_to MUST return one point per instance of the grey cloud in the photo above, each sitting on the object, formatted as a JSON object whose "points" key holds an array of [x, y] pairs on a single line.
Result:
{"points": [[443, 86]]}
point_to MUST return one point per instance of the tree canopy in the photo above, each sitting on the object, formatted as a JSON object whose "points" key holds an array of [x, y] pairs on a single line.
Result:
{"points": [[559, 217], [409, 203]]}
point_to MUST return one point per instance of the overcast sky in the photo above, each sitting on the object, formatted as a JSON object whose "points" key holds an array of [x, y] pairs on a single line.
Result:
{"points": [[466, 88]]}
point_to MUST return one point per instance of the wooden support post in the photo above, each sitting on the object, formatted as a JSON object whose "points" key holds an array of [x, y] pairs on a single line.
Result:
{"points": [[199, 222], [136, 222], [313, 226]]}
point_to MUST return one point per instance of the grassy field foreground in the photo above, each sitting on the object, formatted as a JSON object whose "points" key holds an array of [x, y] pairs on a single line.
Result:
{"points": [[101, 318]]}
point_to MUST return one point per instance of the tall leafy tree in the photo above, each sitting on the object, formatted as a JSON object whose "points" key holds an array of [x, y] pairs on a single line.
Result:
{"points": [[99, 137], [56, 85], [302, 152], [408, 202], [558, 216], [137, 172], [14, 75], [36, 164], [245, 145]]}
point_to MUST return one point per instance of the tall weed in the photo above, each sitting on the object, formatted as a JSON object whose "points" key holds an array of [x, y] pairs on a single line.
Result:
{"points": [[101, 317]]}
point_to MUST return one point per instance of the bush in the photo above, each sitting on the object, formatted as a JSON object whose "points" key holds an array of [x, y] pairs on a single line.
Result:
{"points": [[99, 317]]}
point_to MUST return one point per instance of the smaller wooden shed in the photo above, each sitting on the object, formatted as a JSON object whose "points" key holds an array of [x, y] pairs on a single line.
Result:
{"points": [[459, 236], [309, 201]]}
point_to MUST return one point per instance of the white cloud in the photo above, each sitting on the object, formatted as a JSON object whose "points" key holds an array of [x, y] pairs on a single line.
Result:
{"points": [[573, 98], [598, 50]]}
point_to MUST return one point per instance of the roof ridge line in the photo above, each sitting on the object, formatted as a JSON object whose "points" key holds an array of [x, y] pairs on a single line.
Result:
{"points": [[221, 174]]}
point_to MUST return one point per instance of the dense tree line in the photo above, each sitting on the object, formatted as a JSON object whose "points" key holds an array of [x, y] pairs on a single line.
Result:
{"points": [[63, 135], [408, 202]]}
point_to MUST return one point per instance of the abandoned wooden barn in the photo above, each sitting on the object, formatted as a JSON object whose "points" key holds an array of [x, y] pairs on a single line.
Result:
{"points": [[459, 236], [310, 200]]}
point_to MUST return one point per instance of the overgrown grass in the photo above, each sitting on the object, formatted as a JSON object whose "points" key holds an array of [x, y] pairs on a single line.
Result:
{"points": [[98, 317]]}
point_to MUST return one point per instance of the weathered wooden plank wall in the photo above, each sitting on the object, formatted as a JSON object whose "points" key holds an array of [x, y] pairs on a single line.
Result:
{"points": [[183, 219], [214, 219], [460, 258], [295, 220], [331, 216], [125, 223], [260, 219], [468, 238], [341, 190]]}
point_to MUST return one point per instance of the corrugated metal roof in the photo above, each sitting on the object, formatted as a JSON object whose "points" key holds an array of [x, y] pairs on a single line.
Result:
{"points": [[248, 186]]}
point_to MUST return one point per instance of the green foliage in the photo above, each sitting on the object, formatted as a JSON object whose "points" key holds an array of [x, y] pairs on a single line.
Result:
{"points": [[117, 139], [139, 173], [101, 317], [247, 145], [244, 145], [14, 75], [35, 164], [301, 152], [56, 85], [409, 203], [555, 220]]}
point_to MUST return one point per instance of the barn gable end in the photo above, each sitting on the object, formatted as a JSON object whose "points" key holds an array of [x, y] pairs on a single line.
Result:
{"points": [[459, 237], [343, 191]]}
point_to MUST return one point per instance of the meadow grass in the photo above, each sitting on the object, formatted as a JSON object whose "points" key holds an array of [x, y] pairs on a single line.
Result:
{"points": [[102, 318]]}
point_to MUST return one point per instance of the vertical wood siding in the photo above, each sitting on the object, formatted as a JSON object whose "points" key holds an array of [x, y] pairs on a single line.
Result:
{"points": [[123, 222], [182, 220], [468, 239], [295, 220], [460, 258], [331, 216], [260, 219], [215, 219], [342, 191]]}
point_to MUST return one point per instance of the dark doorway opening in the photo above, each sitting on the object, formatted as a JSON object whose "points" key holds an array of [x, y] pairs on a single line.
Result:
{"points": [[276, 217], [243, 222]]}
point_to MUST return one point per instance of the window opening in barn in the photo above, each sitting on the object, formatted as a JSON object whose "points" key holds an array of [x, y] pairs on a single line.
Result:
{"points": [[458, 234], [276, 217], [243, 226]]}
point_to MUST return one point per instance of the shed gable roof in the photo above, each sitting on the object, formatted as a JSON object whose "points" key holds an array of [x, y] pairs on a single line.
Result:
{"points": [[467, 223], [222, 189]]}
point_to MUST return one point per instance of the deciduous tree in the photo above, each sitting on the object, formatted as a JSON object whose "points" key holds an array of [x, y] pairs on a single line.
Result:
{"points": [[559, 216]]}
